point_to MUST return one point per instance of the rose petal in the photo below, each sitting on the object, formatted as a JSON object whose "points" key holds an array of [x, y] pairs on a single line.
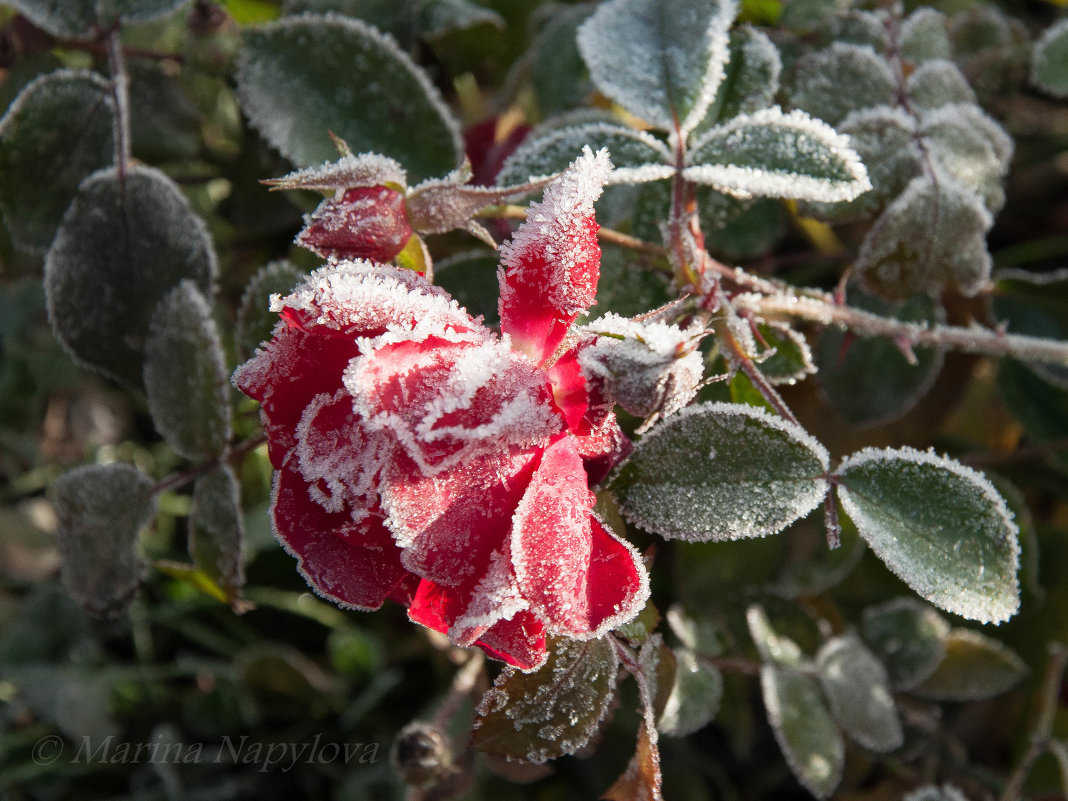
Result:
{"points": [[569, 389], [353, 564], [602, 448], [553, 261]]}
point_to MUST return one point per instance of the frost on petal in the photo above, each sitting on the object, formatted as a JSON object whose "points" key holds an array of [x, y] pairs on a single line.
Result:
{"points": [[450, 525], [602, 448], [448, 402], [365, 169], [353, 564], [552, 264], [576, 575], [286, 374], [365, 223]]}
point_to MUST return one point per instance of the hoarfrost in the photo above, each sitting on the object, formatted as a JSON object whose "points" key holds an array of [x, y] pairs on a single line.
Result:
{"points": [[925, 36], [858, 690], [351, 170], [831, 83], [937, 83], [971, 147]]}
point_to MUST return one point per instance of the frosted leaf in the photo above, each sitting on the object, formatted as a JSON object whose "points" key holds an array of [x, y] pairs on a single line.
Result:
{"points": [[360, 85], [186, 380], [868, 381], [426, 19], [858, 690], [974, 668], [991, 49], [938, 83], [862, 28], [884, 139], [365, 169], [636, 155], [101, 509], [721, 471], [831, 83], [939, 526], [440, 17], [694, 699], [437, 206], [925, 36], [255, 321], [970, 147], [699, 635], [217, 530], [909, 637], [788, 358], [662, 60], [540, 716], [804, 729], [751, 80], [558, 73], [931, 792], [807, 16], [78, 19], [165, 123], [821, 571], [771, 645], [932, 237], [646, 367], [1049, 60], [121, 247], [55, 133], [772, 154]]}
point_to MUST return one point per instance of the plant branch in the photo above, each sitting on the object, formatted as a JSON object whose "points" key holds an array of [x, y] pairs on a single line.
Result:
{"points": [[120, 90], [739, 357], [231, 455]]}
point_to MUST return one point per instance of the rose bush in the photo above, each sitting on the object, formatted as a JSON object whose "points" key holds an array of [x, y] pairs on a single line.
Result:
{"points": [[423, 458]]}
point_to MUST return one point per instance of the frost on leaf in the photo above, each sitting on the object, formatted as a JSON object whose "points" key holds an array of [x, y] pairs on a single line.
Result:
{"points": [[772, 154], [535, 717], [858, 690], [925, 36], [695, 696], [908, 636], [636, 155], [55, 133], [862, 28], [971, 148], [832, 83], [365, 169], [751, 80], [939, 526], [788, 358], [804, 728], [770, 644], [186, 380], [938, 83], [974, 668], [255, 320], [121, 247], [721, 471], [360, 85], [101, 509], [217, 530], [1049, 60], [662, 60], [932, 237], [79, 19], [440, 205]]}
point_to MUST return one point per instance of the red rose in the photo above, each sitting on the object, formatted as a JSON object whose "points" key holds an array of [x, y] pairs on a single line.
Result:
{"points": [[423, 458]]}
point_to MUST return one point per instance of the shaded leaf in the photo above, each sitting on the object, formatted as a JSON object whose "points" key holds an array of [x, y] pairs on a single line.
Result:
{"points": [[164, 121], [662, 60], [695, 697], [558, 73], [806, 16], [186, 380], [939, 526], [937, 83], [55, 133], [703, 637], [770, 644], [975, 667], [721, 471], [627, 285], [947, 792], [255, 320], [831, 83], [407, 20], [217, 530], [856, 26], [78, 19], [101, 509], [908, 636], [792, 358], [554, 711], [360, 86], [925, 36], [470, 277], [122, 245], [773, 154], [804, 729], [1049, 60], [971, 147], [822, 570], [751, 79], [1035, 304], [858, 689]]}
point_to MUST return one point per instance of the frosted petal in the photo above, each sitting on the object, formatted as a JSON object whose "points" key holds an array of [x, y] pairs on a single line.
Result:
{"points": [[365, 169]]}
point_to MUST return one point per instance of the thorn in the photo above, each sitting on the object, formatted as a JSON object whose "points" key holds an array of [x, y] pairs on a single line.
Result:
{"points": [[847, 340], [905, 347], [840, 289], [342, 146]]}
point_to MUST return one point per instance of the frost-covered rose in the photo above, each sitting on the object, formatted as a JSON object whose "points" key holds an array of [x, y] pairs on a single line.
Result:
{"points": [[423, 458]]}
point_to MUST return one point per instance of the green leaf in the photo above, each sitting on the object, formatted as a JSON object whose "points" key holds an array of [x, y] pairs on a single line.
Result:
{"points": [[701, 636], [831, 83], [932, 237], [773, 154], [975, 667], [101, 509], [751, 80], [925, 36], [1042, 408], [803, 726], [938, 83], [662, 60], [870, 381], [721, 471], [55, 133], [627, 285], [855, 26], [939, 526], [255, 320], [359, 85], [792, 358], [78, 19], [970, 147], [636, 155], [217, 530], [122, 245], [908, 636], [806, 16], [186, 379], [694, 699], [558, 73], [406, 20], [1035, 304], [1049, 60], [858, 690], [770, 644], [165, 123], [554, 711]]}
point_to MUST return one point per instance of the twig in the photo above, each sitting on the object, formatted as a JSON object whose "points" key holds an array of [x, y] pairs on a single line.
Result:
{"points": [[120, 89], [231, 455], [758, 379]]}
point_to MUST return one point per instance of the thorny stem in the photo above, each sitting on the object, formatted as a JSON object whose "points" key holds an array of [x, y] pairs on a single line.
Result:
{"points": [[758, 379], [1042, 731], [231, 455], [120, 89]]}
